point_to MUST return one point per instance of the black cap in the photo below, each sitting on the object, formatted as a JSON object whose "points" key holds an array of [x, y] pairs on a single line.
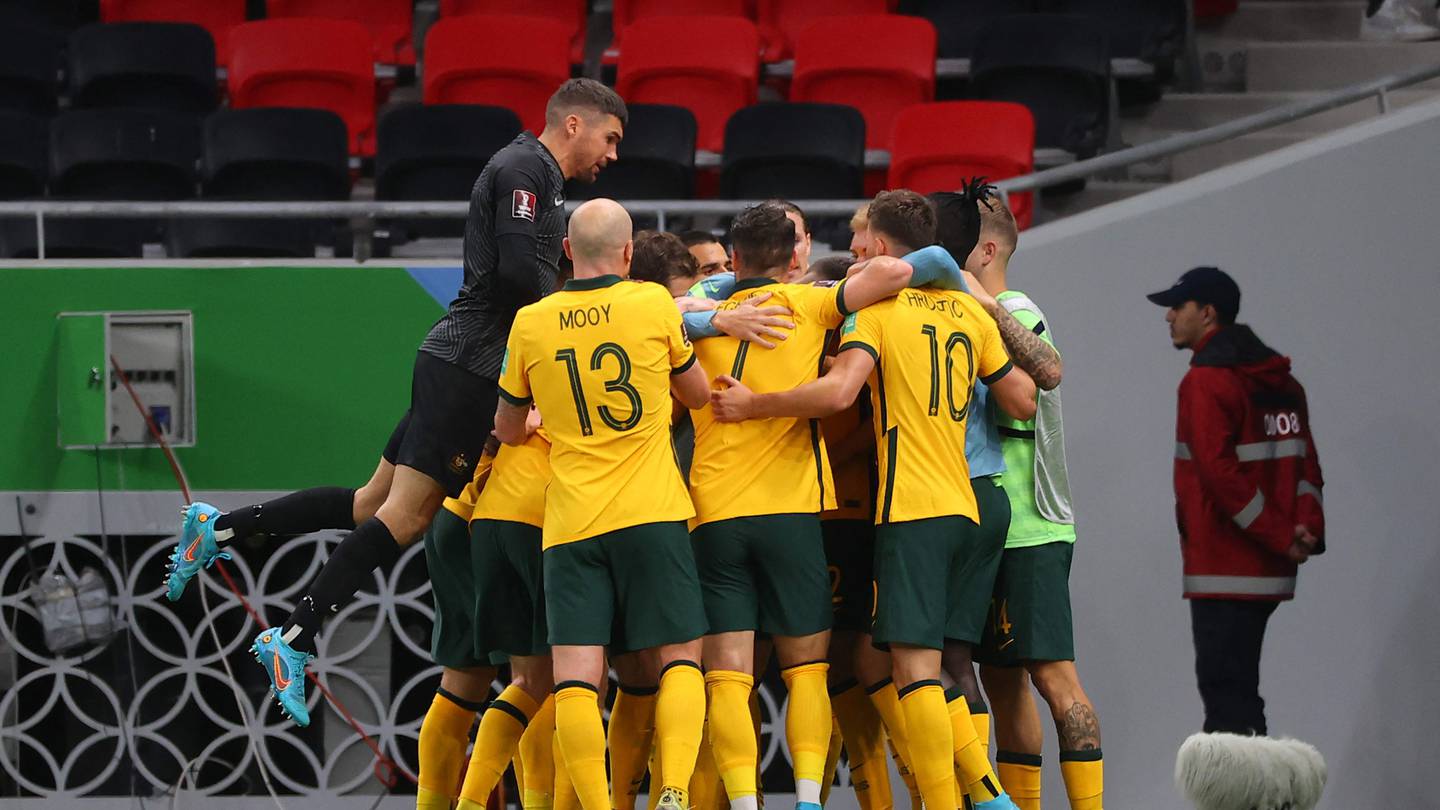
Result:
{"points": [[1203, 285]]}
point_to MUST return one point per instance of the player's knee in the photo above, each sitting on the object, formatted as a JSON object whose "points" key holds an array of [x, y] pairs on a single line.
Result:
{"points": [[405, 522], [367, 501], [1057, 682]]}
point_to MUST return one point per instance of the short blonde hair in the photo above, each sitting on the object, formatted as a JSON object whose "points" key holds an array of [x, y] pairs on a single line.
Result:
{"points": [[860, 220], [997, 223]]}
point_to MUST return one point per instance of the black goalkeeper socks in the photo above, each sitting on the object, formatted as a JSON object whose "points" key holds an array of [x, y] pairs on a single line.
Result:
{"points": [[369, 547], [309, 510]]}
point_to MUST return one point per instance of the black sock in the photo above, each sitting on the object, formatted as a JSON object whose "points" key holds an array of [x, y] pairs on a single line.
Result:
{"points": [[309, 510], [369, 547]]}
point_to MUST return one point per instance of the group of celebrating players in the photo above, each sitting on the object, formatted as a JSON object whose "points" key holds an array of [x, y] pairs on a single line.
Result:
{"points": [[855, 467]]}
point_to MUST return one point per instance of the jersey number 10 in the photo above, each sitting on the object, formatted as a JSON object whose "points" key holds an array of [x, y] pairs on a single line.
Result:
{"points": [[955, 339], [621, 383]]}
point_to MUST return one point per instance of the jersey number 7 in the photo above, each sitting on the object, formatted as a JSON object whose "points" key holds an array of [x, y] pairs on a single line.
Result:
{"points": [[621, 383]]}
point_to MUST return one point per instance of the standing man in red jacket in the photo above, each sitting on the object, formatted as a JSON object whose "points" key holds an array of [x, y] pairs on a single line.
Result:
{"points": [[1247, 491]]}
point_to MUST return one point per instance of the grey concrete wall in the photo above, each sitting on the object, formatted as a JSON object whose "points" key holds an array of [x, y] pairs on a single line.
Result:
{"points": [[1336, 246]]}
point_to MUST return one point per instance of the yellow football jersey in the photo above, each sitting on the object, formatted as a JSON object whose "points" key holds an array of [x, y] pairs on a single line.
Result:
{"points": [[766, 466], [463, 505], [929, 348], [518, 478], [596, 357], [855, 476]]}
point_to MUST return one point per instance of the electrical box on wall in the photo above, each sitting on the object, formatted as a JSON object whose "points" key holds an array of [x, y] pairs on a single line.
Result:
{"points": [[155, 350]]}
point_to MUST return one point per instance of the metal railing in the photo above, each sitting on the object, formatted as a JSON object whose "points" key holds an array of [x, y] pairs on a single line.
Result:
{"points": [[365, 214]]}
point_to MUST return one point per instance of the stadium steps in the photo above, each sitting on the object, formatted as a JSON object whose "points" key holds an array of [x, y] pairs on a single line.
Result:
{"points": [[1267, 54]]}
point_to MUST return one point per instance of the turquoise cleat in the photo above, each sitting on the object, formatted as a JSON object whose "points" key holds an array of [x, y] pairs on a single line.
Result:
{"points": [[196, 548], [1001, 802], [807, 806], [286, 668]]}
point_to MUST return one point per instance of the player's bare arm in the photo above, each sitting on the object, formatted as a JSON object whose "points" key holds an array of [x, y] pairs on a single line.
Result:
{"points": [[510, 422], [830, 394], [1015, 394], [1029, 351], [874, 280], [691, 386]]}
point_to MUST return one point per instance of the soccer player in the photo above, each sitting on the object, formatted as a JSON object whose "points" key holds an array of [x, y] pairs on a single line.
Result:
{"points": [[926, 348], [758, 489], [599, 359], [465, 677], [1029, 628], [663, 258], [509, 610], [512, 246], [709, 253], [860, 232]]}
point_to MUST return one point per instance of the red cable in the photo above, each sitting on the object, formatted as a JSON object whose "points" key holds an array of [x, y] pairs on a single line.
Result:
{"points": [[385, 768]]}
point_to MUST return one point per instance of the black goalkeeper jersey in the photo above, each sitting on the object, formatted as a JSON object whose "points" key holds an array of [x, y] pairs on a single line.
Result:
{"points": [[513, 244]]}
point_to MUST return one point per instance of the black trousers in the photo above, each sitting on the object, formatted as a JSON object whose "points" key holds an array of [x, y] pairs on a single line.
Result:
{"points": [[1228, 635]]}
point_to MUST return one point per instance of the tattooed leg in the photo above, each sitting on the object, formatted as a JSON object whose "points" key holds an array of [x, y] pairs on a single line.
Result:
{"points": [[1075, 721]]}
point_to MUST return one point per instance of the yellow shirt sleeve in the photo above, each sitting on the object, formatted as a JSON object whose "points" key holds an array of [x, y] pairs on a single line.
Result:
{"points": [[825, 305], [993, 363], [862, 330], [682, 354], [514, 380]]}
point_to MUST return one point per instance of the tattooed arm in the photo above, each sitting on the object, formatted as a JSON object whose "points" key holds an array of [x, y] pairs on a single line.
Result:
{"points": [[1029, 351]]}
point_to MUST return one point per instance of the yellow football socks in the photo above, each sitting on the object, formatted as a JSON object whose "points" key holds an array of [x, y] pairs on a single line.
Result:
{"points": [[444, 735], [630, 736], [864, 746], [732, 734], [832, 760], [980, 718], [1084, 773], [807, 727], [887, 703], [679, 722], [706, 791], [1020, 774], [537, 782], [930, 745], [976, 776], [565, 798], [581, 735], [496, 741]]}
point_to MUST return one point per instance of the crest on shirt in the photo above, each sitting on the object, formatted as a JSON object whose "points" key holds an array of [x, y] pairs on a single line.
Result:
{"points": [[522, 204]]}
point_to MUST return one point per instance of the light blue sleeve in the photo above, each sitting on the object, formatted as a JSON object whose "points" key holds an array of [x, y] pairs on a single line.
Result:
{"points": [[699, 325], [935, 268]]}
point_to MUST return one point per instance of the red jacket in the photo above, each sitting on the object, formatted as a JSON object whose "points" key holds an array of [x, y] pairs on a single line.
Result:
{"points": [[1246, 473]]}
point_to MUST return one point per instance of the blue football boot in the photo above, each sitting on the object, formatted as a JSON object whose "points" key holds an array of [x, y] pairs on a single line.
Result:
{"points": [[196, 548], [286, 668], [1001, 802]]}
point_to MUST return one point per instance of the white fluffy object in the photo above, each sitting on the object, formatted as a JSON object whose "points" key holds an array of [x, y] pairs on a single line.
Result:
{"points": [[1236, 772]]}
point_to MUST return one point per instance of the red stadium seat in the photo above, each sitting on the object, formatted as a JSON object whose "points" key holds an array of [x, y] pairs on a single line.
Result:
{"points": [[304, 62], [890, 67], [1214, 8], [522, 61], [215, 16], [781, 21], [937, 147], [391, 22], [569, 13], [709, 65], [627, 12]]}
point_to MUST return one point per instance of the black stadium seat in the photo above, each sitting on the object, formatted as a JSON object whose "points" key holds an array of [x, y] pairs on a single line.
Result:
{"points": [[1058, 66], [800, 151], [958, 22], [124, 155], [1149, 30], [29, 66], [435, 152], [146, 155], [168, 66], [285, 154], [24, 155], [275, 154], [657, 158]]}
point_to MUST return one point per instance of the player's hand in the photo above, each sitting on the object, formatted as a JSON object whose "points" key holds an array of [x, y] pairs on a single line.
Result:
{"points": [[755, 323], [689, 303], [733, 402], [978, 290], [532, 422], [1303, 545]]}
